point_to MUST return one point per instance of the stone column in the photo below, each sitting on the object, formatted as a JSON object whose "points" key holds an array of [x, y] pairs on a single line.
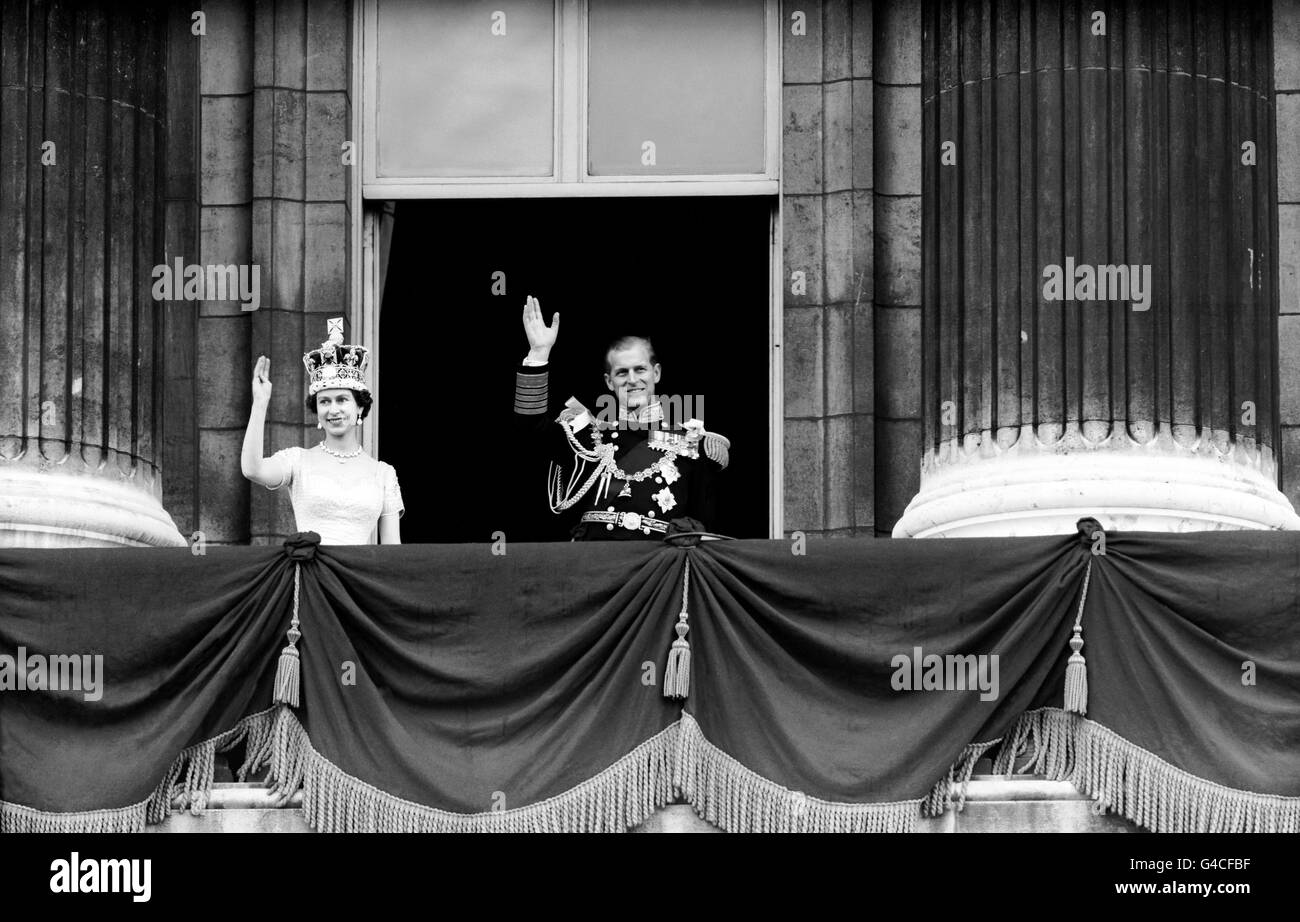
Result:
{"points": [[1059, 139], [81, 155]]}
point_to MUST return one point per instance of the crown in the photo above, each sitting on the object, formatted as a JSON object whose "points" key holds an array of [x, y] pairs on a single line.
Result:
{"points": [[336, 363]]}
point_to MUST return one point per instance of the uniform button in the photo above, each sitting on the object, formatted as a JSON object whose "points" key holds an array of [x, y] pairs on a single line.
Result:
{"points": [[609, 528], [651, 513], [610, 509], [659, 480]]}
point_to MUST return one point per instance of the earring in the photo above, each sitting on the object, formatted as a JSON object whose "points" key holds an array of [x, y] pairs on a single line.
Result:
{"points": [[320, 425], [358, 420]]}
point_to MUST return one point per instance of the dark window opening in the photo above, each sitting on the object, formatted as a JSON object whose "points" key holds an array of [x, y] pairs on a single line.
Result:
{"points": [[690, 273]]}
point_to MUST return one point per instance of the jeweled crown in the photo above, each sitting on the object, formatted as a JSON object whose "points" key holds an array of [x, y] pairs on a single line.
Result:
{"points": [[336, 363]]}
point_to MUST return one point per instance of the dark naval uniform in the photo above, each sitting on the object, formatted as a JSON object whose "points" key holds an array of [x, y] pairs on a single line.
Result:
{"points": [[631, 481]]}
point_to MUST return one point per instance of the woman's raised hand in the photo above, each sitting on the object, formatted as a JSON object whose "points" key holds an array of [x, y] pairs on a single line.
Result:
{"points": [[540, 336], [262, 380]]}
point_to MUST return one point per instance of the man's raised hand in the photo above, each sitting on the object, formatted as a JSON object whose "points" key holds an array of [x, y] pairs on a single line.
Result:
{"points": [[541, 337]]}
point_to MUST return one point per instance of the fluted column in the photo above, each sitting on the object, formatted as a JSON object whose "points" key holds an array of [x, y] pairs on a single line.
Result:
{"points": [[81, 154], [1063, 139]]}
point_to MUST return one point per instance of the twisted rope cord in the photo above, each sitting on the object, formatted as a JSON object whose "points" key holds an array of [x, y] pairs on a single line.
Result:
{"points": [[297, 575], [1083, 596]]}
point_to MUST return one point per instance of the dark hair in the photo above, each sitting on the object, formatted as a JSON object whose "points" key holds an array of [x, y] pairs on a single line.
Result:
{"points": [[363, 399], [627, 342]]}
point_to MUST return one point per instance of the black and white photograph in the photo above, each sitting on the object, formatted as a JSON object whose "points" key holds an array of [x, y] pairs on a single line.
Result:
{"points": [[658, 416]]}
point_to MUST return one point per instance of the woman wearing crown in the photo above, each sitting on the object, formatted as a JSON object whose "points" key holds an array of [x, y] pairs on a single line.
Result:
{"points": [[337, 490]]}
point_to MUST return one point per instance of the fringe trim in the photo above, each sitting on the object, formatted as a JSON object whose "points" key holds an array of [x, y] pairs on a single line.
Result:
{"points": [[17, 818], [187, 785], [731, 796], [939, 800], [679, 761], [622, 796], [1137, 784]]}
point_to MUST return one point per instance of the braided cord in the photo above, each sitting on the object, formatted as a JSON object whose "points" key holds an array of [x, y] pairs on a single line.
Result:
{"points": [[1083, 596]]}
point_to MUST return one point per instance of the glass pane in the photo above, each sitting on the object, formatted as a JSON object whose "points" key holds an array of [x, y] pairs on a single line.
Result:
{"points": [[687, 76], [465, 88]]}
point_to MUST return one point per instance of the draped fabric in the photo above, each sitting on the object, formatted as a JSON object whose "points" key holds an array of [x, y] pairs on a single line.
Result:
{"points": [[519, 687]]}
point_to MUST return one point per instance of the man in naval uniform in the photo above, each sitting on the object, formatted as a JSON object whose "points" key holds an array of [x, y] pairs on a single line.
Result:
{"points": [[633, 474]]}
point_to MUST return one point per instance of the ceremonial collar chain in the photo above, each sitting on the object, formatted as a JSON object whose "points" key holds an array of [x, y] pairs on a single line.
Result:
{"points": [[658, 469], [654, 470], [606, 468]]}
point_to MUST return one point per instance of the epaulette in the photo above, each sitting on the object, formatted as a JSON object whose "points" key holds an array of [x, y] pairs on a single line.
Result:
{"points": [[717, 447], [574, 417]]}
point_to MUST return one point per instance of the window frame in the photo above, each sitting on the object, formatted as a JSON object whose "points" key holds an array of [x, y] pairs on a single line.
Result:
{"points": [[368, 201], [570, 160]]}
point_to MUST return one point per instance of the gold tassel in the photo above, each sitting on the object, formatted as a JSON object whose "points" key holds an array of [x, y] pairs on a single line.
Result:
{"points": [[677, 674], [1076, 670], [1076, 677], [286, 673]]}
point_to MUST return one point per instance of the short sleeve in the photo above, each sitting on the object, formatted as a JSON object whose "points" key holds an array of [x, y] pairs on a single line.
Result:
{"points": [[288, 459], [392, 493]]}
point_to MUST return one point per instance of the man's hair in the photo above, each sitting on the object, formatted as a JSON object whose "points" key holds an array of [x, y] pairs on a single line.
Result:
{"points": [[364, 402], [627, 342]]}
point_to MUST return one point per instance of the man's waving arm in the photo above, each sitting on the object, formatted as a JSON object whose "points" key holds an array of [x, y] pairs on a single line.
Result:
{"points": [[532, 391]]}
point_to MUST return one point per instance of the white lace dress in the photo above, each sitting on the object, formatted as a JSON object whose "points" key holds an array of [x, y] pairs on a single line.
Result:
{"points": [[341, 500]]}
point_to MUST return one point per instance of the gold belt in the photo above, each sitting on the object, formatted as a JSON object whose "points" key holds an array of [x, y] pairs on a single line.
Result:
{"points": [[632, 521]]}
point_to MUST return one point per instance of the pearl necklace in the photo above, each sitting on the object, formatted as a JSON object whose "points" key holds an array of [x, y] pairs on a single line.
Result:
{"points": [[338, 454]]}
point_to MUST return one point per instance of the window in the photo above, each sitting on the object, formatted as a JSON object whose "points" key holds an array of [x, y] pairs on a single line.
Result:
{"points": [[685, 77], [452, 99], [489, 98]]}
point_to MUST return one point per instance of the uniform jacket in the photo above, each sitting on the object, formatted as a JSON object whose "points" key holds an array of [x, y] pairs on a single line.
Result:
{"points": [[680, 491]]}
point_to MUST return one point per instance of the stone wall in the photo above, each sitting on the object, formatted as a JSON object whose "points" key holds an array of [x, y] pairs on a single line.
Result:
{"points": [[852, 227], [257, 110], [1286, 84], [262, 105]]}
